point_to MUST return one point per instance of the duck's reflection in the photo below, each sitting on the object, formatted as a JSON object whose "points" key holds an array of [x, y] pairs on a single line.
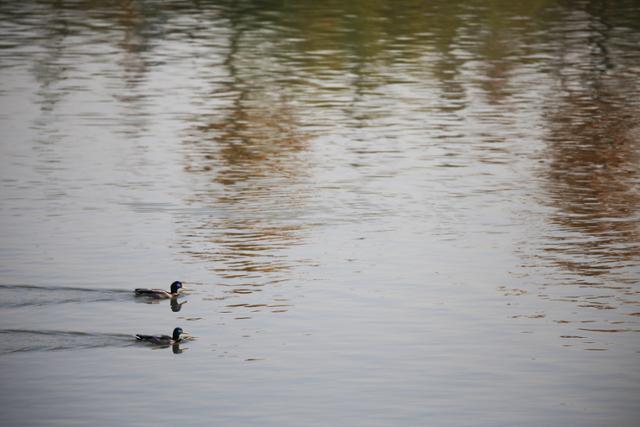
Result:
{"points": [[174, 303], [176, 306], [175, 348]]}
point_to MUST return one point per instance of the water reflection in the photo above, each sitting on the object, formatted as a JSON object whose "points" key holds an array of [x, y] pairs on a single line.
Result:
{"points": [[176, 348], [174, 303], [249, 157], [176, 306], [134, 22], [590, 179], [591, 169]]}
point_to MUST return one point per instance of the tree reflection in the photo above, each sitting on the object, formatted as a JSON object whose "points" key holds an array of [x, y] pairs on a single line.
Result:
{"points": [[249, 156], [594, 157]]}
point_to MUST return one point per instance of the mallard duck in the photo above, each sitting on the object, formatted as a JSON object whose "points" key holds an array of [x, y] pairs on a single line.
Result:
{"points": [[160, 293], [162, 339]]}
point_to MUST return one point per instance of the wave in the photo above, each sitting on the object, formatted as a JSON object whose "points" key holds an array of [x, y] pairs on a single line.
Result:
{"points": [[32, 295], [18, 340]]}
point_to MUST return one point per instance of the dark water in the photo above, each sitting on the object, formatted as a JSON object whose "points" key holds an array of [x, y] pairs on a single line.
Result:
{"points": [[386, 213]]}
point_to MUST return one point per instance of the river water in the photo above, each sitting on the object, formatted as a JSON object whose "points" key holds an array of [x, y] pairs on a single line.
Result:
{"points": [[385, 213]]}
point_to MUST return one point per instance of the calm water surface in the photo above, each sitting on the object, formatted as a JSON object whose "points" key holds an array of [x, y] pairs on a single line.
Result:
{"points": [[386, 213]]}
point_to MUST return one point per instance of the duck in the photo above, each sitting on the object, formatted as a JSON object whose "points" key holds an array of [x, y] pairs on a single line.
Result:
{"points": [[160, 293], [162, 339]]}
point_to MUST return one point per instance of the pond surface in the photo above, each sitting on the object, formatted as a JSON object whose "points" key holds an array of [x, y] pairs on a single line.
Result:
{"points": [[385, 213]]}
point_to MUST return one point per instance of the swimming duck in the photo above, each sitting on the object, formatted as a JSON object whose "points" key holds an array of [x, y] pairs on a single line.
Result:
{"points": [[162, 339], [160, 293]]}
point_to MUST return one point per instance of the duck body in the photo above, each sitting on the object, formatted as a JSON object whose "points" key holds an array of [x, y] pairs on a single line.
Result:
{"points": [[160, 293], [154, 293], [162, 339]]}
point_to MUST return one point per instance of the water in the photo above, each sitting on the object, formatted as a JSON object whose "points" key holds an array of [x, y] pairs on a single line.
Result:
{"points": [[385, 213]]}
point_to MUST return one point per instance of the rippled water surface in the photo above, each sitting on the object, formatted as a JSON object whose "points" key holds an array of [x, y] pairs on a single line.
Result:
{"points": [[385, 213]]}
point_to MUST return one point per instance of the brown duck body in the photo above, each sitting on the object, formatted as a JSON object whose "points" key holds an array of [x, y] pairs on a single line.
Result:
{"points": [[160, 293], [156, 339], [155, 293], [162, 339]]}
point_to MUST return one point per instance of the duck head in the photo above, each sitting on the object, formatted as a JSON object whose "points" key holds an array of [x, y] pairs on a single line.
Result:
{"points": [[175, 286], [176, 334]]}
